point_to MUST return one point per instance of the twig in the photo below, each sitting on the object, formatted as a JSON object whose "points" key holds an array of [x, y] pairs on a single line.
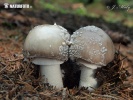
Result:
{"points": [[19, 94], [9, 79], [3, 69], [106, 96], [15, 59], [86, 94]]}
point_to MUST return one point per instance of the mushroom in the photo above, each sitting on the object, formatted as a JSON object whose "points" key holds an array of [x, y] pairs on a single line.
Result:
{"points": [[92, 48], [47, 46]]}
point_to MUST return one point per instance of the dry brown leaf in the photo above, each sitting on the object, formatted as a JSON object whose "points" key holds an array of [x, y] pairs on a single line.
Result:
{"points": [[1, 49], [20, 18], [27, 87], [5, 14], [12, 92], [77, 5]]}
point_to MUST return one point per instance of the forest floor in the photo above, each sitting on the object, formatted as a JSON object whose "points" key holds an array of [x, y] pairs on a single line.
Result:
{"points": [[20, 80]]}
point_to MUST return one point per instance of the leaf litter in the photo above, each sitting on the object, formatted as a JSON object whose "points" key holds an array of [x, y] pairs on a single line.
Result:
{"points": [[21, 80]]}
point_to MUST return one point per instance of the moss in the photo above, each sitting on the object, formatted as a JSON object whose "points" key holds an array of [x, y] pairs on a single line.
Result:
{"points": [[80, 11]]}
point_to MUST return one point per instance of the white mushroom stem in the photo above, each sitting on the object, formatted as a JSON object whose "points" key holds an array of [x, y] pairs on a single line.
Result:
{"points": [[50, 71], [87, 77], [52, 75]]}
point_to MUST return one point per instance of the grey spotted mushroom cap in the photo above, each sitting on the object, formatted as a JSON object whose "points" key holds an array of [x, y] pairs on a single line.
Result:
{"points": [[47, 42], [92, 45]]}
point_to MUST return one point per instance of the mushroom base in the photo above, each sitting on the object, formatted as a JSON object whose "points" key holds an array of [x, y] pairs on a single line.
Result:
{"points": [[87, 78], [52, 75]]}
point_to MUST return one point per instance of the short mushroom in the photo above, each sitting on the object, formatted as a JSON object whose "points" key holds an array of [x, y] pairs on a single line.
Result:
{"points": [[92, 48], [46, 45]]}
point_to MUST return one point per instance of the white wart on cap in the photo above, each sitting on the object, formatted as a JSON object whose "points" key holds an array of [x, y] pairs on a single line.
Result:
{"points": [[47, 41], [93, 48], [47, 46], [93, 45]]}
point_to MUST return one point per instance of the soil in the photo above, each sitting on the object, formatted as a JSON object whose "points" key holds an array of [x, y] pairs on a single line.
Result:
{"points": [[21, 80]]}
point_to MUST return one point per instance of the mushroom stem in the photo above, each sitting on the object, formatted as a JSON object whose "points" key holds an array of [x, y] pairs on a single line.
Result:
{"points": [[52, 75], [87, 77]]}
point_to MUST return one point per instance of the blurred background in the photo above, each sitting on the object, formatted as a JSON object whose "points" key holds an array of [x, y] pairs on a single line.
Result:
{"points": [[110, 10]]}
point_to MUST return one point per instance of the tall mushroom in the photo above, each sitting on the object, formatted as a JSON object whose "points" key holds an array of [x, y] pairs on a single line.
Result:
{"points": [[47, 46], [92, 48]]}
